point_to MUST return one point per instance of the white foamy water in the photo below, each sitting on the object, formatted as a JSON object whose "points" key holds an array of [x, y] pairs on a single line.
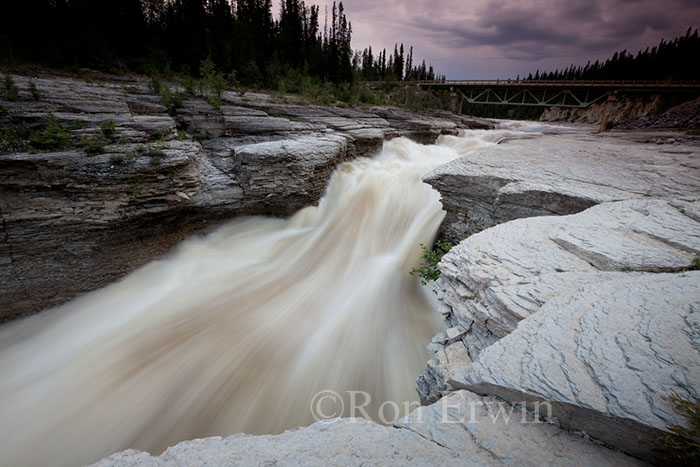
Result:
{"points": [[237, 331]]}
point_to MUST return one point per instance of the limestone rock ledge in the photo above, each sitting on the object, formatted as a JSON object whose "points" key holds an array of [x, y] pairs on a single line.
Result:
{"points": [[462, 429], [71, 222], [558, 175], [596, 313]]}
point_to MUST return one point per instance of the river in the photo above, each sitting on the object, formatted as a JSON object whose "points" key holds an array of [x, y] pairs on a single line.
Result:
{"points": [[238, 331]]}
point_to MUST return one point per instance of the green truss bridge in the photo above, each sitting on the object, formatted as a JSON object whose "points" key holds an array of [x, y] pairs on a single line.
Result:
{"points": [[546, 93]]}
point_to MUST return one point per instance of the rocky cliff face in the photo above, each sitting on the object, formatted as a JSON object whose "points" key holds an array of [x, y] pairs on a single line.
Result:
{"points": [[633, 113], [71, 221], [622, 110]]}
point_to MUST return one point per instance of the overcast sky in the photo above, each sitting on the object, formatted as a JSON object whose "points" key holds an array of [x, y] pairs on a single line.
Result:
{"points": [[481, 39]]}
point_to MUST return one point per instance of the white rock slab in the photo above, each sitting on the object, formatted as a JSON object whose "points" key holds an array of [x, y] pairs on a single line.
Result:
{"points": [[489, 430], [606, 356]]}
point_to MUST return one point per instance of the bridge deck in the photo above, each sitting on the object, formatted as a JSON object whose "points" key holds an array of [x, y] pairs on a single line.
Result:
{"points": [[616, 84], [551, 93]]}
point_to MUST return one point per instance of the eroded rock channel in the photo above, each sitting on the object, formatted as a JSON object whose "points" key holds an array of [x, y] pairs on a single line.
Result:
{"points": [[574, 286]]}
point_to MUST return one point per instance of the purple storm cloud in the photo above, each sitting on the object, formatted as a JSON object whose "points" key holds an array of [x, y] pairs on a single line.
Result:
{"points": [[478, 39]]}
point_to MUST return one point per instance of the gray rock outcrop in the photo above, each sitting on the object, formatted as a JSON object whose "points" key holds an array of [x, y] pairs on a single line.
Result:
{"points": [[595, 314], [339, 443], [71, 222], [558, 175], [605, 357], [489, 431], [623, 109], [462, 429]]}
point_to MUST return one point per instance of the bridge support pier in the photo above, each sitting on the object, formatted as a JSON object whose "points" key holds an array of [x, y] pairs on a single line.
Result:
{"points": [[456, 101], [604, 121]]}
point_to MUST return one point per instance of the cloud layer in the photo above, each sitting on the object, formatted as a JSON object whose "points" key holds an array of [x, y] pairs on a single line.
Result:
{"points": [[502, 38]]}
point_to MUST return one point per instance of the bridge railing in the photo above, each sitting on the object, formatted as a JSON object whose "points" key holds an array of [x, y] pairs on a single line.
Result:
{"points": [[568, 83]]}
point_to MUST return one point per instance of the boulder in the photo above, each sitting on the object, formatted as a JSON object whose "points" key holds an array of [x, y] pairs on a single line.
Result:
{"points": [[606, 358]]}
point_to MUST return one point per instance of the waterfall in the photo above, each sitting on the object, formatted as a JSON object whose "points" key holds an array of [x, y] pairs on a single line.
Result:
{"points": [[238, 330]]}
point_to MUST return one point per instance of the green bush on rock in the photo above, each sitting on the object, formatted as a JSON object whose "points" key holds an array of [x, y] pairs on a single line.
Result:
{"points": [[429, 271]]}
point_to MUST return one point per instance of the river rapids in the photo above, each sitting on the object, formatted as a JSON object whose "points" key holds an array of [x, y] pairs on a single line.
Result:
{"points": [[237, 331]]}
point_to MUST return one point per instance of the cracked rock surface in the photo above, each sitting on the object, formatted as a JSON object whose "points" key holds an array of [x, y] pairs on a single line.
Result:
{"points": [[605, 356], [597, 313], [489, 431]]}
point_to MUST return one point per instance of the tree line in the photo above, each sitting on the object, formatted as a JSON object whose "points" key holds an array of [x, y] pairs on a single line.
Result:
{"points": [[241, 38], [670, 60], [399, 66]]}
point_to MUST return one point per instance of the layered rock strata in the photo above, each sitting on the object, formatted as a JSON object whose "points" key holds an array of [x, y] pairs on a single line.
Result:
{"points": [[71, 222]]}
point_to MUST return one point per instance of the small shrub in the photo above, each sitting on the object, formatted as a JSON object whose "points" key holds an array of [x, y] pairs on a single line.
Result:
{"points": [[203, 136], [36, 95], [232, 79], [215, 102], [116, 159], [559, 270], [251, 75], [108, 129], [190, 85], [684, 443], [77, 125], [54, 137], [93, 145], [11, 140], [429, 271], [214, 81], [154, 155], [155, 85], [10, 89], [171, 100], [695, 264]]}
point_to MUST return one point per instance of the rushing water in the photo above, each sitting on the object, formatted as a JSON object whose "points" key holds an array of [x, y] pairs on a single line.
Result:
{"points": [[237, 331]]}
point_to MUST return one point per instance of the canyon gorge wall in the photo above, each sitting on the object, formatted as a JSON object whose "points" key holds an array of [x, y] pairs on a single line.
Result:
{"points": [[72, 222]]}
